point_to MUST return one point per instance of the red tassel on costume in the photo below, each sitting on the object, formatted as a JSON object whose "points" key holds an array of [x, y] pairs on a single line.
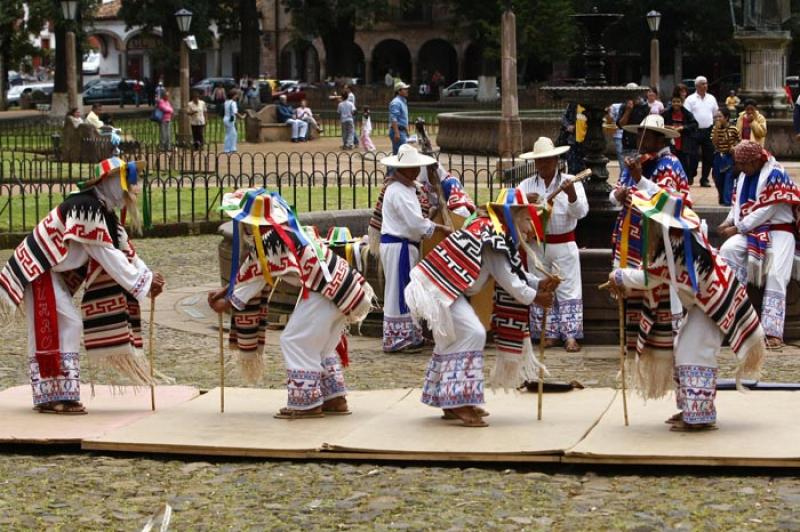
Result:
{"points": [[341, 350], [49, 364]]}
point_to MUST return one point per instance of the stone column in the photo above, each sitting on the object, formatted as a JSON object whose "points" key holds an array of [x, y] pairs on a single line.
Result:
{"points": [[510, 140], [764, 69]]}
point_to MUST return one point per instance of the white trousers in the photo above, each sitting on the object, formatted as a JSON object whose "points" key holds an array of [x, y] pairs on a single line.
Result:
{"points": [[565, 318], [780, 256], [399, 330], [309, 345]]}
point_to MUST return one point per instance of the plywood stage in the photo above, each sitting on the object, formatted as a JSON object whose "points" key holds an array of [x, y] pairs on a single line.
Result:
{"points": [[584, 426], [109, 409]]}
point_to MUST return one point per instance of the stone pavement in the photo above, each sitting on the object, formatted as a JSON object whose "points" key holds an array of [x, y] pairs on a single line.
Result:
{"points": [[63, 490]]}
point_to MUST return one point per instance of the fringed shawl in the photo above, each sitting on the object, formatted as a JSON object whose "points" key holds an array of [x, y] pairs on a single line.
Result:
{"points": [[721, 297], [449, 270]]}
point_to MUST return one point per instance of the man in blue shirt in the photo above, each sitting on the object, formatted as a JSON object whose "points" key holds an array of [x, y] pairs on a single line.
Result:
{"points": [[398, 116]]}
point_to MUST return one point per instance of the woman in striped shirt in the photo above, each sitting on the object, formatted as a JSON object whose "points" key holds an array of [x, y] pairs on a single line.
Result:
{"points": [[724, 136]]}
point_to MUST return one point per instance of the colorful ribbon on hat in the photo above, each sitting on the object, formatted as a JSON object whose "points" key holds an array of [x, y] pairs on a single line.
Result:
{"points": [[338, 236], [509, 197]]}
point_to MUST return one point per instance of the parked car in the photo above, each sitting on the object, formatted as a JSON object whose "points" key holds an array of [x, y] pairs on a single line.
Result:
{"points": [[16, 92], [14, 78], [206, 86], [91, 63], [106, 91], [464, 89]]}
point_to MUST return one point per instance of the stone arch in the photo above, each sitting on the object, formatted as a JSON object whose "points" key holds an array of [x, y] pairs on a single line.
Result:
{"points": [[437, 55], [391, 54], [104, 38], [299, 60]]}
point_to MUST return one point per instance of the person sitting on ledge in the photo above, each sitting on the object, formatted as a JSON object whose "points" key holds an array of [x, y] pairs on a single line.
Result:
{"points": [[286, 116]]}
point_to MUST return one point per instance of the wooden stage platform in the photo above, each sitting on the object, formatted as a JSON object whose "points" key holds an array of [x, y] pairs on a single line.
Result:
{"points": [[584, 426]]}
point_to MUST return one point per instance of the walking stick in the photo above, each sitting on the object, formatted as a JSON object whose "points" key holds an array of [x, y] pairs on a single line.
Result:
{"points": [[623, 354], [623, 348], [541, 361], [221, 367], [152, 354]]}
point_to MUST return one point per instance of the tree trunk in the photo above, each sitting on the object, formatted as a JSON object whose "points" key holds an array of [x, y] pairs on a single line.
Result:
{"points": [[340, 49], [250, 53], [3, 79]]}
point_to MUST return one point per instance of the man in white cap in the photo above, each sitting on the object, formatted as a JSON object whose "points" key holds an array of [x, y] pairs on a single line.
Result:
{"points": [[403, 226], [565, 319], [398, 116], [704, 107], [654, 169]]}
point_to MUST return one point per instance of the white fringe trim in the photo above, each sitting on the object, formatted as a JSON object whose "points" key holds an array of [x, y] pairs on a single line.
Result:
{"points": [[360, 312], [251, 366], [653, 373], [132, 365], [510, 371], [374, 242], [9, 311], [750, 363], [431, 306]]}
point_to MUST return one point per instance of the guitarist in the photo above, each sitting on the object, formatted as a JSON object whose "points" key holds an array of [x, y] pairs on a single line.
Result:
{"points": [[569, 204]]}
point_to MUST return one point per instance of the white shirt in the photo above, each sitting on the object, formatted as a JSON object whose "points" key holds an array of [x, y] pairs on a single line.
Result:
{"points": [[703, 109], [402, 214], [656, 108], [197, 112], [93, 120], [565, 215], [496, 265]]}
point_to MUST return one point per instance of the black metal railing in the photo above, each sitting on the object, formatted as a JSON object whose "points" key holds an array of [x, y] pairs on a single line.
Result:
{"points": [[186, 186]]}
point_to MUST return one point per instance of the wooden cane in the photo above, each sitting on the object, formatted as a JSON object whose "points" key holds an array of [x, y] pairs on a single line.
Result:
{"points": [[542, 341], [221, 367], [623, 353], [152, 354]]}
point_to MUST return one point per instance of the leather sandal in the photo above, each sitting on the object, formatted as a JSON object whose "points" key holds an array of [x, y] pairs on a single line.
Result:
{"points": [[682, 426], [336, 407], [449, 415], [468, 417], [572, 345], [773, 342], [674, 418], [64, 408], [292, 413]]}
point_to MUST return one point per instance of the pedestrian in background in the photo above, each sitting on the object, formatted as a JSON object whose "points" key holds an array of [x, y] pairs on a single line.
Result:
{"points": [[732, 102], [656, 107], [703, 106], [366, 130], [197, 118], [682, 120], [165, 137], [725, 137], [398, 116], [229, 121], [751, 124], [346, 111]]}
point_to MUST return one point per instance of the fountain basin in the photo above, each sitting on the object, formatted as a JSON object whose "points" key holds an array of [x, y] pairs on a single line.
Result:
{"points": [[478, 132]]}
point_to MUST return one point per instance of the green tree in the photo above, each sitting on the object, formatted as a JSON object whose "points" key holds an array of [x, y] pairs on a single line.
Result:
{"points": [[151, 14], [335, 22]]}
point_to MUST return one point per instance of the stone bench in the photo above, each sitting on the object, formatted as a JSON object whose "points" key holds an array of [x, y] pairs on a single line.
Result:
{"points": [[88, 145], [263, 126]]}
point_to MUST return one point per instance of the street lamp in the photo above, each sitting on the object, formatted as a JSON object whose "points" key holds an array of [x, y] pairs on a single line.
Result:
{"points": [[184, 20], [653, 22], [69, 8]]}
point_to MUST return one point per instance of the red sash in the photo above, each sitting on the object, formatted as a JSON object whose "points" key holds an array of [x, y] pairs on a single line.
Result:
{"points": [[789, 228], [563, 238], [45, 320]]}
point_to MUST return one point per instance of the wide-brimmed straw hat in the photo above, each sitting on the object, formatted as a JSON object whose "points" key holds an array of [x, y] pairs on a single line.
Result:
{"points": [[255, 207], [408, 157], [544, 148], [653, 123], [513, 199], [666, 209], [115, 167]]}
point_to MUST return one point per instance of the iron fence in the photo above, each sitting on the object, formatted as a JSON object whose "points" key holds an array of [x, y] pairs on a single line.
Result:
{"points": [[187, 186]]}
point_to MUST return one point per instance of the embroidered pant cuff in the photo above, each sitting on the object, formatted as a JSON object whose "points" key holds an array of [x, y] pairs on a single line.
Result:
{"points": [[304, 389], [332, 381], [65, 387], [773, 313], [698, 387], [400, 333], [454, 380]]}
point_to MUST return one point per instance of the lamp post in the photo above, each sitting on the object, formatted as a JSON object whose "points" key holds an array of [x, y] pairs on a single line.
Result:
{"points": [[653, 22], [69, 9], [184, 19]]}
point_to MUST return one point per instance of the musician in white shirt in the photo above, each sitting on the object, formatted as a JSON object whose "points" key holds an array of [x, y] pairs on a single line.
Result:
{"points": [[559, 252]]}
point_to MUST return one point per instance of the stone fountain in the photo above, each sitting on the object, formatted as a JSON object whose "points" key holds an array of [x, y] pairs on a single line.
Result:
{"points": [[595, 95]]}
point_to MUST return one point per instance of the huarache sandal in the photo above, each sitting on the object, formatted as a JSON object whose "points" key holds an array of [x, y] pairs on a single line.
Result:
{"points": [[292, 413], [468, 417], [682, 426], [449, 415], [572, 346], [550, 342], [773, 342], [336, 407], [64, 408], [674, 418]]}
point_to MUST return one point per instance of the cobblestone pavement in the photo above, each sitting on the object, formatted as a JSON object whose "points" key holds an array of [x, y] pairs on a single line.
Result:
{"points": [[75, 491]]}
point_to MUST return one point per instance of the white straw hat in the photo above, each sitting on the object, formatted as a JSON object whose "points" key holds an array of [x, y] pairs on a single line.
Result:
{"points": [[544, 148], [653, 123], [408, 157]]}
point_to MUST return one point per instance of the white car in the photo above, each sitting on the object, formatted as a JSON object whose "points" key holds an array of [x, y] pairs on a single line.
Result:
{"points": [[14, 93], [91, 63], [464, 89]]}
